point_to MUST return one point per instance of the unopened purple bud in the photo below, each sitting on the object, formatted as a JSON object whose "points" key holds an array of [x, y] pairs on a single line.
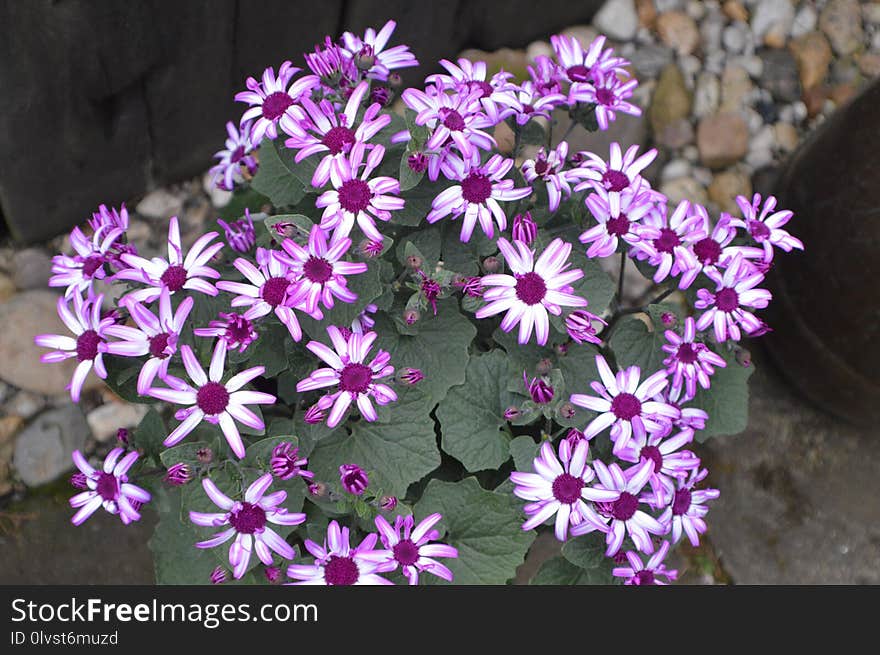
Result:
{"points": [[284, 229], [411, 376], [205, 455], [122, 436], [394, 80], [372, 248], [471, 286], [567, 411], [388, 503], [380, 95], [218, 575], [491, 264], [414, 262], [761, 330], [353, 478], [561, 349], [743, 357], [411, 316], [365, 59], [318, 489], [177, 475], [79, 481], [574, 435], [544, 366], [240, 234], [273, 574], [524, 228], [539, 390], [579, 325], [511, 413], [668, 318], [314, 415], [417, 162], [286, 462]]}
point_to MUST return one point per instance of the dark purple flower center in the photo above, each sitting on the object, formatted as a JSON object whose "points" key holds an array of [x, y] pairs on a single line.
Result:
{"points": [[406, 552], [239, 329], [644, 577], [355, 196], [531, 288], [605, 97], [626, 406], [681, 502], [108, 486], [624, 507], [727, 300], [453, 120], [541, 166], [317, 269], [174, 278], [158, 344], [87, 345], [653, 453], [274, 290], [617, 226], [341, 571], [249, 518], [707, 250], [476, 188], [355, 378], [615, 180], [212, 398], [528, 109], [578, 73], [758, 230], [92, 264], [338, 139], [237, 155], [276, 104], [687, 354], [667, 241], [567, 488]]}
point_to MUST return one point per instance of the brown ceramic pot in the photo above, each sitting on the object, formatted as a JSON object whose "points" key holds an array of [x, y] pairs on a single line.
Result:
{"points": [[826, 308]]}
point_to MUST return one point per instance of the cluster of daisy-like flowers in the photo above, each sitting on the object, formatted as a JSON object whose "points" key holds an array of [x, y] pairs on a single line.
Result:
{"points": [[331, 119]]}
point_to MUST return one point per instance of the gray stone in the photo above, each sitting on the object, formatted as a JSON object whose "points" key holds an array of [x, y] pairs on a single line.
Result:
{"points": [[26, 315], [841, 20], [650, 60], [780, 75], [707, 95], [710, 33], [31, 269], [871, 12], [714, 62], [805, 20], [795, 485], [684, 188], [105, 421], [772, 20], [160, 204], [25, 404], [734, 38], [676, 135], [618, 19], [43, 449], [675, 169]]}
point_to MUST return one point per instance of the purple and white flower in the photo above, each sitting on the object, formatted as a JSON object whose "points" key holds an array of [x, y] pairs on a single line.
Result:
{"points": [[108, 488], [476, 195], [609, 94], [286, 462], [533, 103], [497, 94], [457, 119], [78, 271], [240, 234], [579, 326], [690, 361], [357, 382], [319, 269], [686, 513], [765, 227], [271, 97], [625, 406], [560, 489], [337, 563], [408, 546], [585, 67], [322, 130], [621, 171], [247, 521], [669, 462], [534, 289], [89, 341], [618, 216], [212, 400], [639, 573], [353, 479], [238, 332], [355, 198], [374, 43], [620, 515], [727, 309], [270, 290], [175, 273], [234, 158], [547, 167], [667, 242]]}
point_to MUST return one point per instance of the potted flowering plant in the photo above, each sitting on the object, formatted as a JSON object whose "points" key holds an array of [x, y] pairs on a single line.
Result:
{"points": [[405, 360]]}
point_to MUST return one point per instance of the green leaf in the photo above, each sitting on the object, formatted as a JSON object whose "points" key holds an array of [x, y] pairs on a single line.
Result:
{"points": [[418, 201], [279, 178], [439, 348], [559, 571], [185, 453], [524, 450], [472, 415], [150, 433], [409, 179], [578, 367], [270, 349], [726, 401], [596, 285], [485, 527], [176, 559], [396, 450], [122, 374], [635, 344], [588, 554], [242, 198], [585, 115]]}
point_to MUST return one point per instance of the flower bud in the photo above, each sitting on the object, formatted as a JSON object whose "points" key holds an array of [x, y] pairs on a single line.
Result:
{"points": [[365, 59], [205, 455], [353, 478], [414, 262], [79, 481], [218, 575], [411, 376], [318, 489], [417, 162], [394, 80], [544, 366], [491, 264], [524, 228], [743, 357], [273, 574], [411, 316], [668, 318], [177, 475], [567, 411], [388, 503], [123, 436], [511, 413]]}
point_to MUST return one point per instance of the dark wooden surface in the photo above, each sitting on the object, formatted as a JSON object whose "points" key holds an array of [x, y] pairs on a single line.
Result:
{"points": [[102, 100]]}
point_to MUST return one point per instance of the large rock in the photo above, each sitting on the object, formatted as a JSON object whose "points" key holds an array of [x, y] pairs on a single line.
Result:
{"points": [[32, 269], [772, 20], [678, 31], [618, 19], [813, 56], [671, 101], [43, 449], [24, 316], [841, 20]]}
